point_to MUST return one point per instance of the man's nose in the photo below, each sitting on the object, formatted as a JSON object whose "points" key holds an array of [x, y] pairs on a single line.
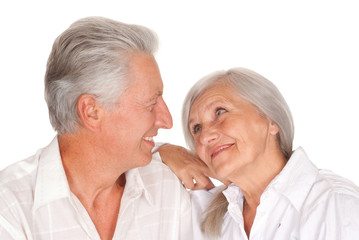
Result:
{"points": [[163, 115]]}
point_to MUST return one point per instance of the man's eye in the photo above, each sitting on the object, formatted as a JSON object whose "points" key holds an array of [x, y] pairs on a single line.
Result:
{"points": [[150, 107], [196, 128], [220, 111]]}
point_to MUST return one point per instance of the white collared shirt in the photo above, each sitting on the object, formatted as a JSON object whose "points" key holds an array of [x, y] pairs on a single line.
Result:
{"points": [[36, 203], [302, 202]]}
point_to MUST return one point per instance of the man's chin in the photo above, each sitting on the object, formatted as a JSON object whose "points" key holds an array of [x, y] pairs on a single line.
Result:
{"points": [[145, 160]]}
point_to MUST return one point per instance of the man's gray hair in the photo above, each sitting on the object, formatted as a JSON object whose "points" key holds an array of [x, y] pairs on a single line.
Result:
{"points": [[261, 93], [91, 57]]}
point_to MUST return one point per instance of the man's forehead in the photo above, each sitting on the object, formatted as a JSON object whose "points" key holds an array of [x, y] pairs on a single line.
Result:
{"points": [[156, 95]]}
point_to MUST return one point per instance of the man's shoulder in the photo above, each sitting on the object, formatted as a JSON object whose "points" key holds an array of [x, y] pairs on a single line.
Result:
{"points": [[162, 184], [18, 171], [158, 177], [17, 188], [157, 170], [24, 168]]}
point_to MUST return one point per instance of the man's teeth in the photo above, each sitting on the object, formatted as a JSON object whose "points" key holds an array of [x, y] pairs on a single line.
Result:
{"points": [[148, 139]]}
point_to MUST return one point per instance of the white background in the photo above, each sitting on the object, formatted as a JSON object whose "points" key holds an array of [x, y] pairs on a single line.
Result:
{"points": [[309, 49]]}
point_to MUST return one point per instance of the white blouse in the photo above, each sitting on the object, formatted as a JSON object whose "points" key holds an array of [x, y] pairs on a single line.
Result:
{"points": [[302, 202]]}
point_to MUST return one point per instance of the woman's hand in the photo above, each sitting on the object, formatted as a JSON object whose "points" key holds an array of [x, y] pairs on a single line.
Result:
{"points": [[191, 170]]}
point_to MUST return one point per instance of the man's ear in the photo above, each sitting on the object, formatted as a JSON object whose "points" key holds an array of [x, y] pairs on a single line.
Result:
{"points": [[89, 112]]}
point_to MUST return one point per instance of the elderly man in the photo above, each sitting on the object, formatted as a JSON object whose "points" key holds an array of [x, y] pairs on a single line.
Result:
{"points": [[96, 180]]}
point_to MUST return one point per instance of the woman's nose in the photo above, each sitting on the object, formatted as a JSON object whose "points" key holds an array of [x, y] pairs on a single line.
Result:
{"points": [[208, 134]]}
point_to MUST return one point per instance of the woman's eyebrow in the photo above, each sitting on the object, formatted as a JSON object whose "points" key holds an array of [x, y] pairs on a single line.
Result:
{"points": [[190, 122], [207, 107]]}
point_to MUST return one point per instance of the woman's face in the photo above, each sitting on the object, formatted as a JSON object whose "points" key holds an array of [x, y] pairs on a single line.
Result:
{"points": [[230, 135]]}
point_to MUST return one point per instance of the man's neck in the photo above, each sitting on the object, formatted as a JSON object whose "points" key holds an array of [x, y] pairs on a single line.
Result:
{"points": [[88, 169], [98, 187]]}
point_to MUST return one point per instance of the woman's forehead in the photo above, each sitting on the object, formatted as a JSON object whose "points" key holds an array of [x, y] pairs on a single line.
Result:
{"points": [[216, 92]]}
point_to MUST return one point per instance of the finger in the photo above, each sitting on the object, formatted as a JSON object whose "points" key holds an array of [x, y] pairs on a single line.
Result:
{"points": [[210, 185], [203, 182], [204, 169], [188, 183]]}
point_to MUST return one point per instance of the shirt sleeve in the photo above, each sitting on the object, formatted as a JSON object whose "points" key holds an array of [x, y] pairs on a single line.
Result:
{"points": [[342, 217], [337, 218], [10, 227], [186, 224], [8, 231]]}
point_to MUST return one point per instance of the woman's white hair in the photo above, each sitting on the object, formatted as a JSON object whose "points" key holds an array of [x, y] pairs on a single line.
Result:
{"points": [[255, 89], [91, 57], [261, 93]]}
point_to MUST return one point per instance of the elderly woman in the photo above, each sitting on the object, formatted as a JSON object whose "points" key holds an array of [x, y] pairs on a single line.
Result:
{"points": [[241, 127]]}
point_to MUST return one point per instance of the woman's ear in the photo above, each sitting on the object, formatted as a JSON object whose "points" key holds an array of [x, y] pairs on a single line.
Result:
{"points": [[89, 112], [273, 128]]}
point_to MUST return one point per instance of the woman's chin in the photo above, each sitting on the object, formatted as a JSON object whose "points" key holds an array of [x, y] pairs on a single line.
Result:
{"points": [[222, 176]]}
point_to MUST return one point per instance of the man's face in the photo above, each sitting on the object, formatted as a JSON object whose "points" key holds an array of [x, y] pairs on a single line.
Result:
{"points": [[129, 128]]}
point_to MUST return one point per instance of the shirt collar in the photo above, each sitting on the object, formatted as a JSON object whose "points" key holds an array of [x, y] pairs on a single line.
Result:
{"points": [[296, 179], [51, 181], [233, 194], [52, 184], [135, 186], [235, 200], [294, 182]]}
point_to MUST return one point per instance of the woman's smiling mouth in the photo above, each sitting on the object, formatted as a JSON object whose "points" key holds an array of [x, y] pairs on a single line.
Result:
{"points": [[217, 150]]}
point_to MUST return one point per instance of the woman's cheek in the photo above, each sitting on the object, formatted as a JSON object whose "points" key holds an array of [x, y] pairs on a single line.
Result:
{"points": [[201, 153]]}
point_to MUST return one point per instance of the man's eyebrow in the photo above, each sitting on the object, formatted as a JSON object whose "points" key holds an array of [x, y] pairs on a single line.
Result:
{"points": [[155, 96], [158, 94]]}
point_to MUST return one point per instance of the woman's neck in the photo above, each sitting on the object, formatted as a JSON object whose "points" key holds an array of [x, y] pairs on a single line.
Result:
{"points": [[254, 180]]}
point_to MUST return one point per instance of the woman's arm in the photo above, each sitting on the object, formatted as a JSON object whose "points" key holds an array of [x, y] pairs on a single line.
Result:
{"points": [[191, 170]]}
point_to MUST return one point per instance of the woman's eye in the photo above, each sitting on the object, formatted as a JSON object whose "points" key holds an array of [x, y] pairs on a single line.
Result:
{"points": [[196, 128], [219, 111]]}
